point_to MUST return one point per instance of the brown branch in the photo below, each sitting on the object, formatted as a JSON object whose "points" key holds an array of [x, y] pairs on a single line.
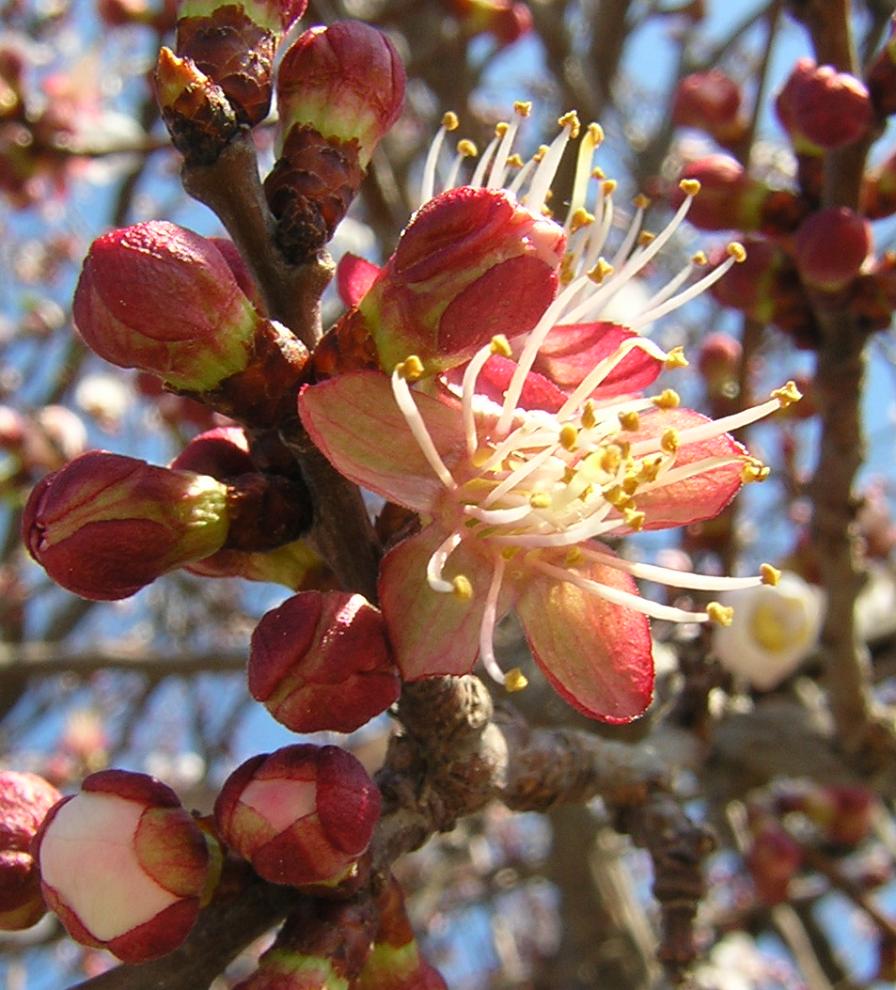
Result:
{"points": [[48, 660]]}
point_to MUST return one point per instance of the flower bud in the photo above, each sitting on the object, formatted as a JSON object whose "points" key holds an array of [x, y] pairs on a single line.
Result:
{"points": [[106, 525], [772, 860], [505, 19], [822, 108], [124, 866], [711, 102], [879, 190], [831, 246], [222, 453], [339, 90], [25, 800], [882, 76], [719, 364], [160, 298], [295, 565], [472, 264], [302, 815], [234, 44], [321, 661]]}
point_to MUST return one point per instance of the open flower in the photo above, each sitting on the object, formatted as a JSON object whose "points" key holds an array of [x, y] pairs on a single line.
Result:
{"points": [[525, 460]]}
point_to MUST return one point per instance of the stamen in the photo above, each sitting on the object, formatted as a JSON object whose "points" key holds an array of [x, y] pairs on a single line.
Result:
{"points": [[498, 517], [769, 575], [449, 123], [405, 401], [483, 163], [547, 168], [499, 166], [529, 466], [515, 680], [673, 578], [722, 615], [462, 587], [477, 363], [465, 149], [591, 139], [437, 564], [487, 627]]}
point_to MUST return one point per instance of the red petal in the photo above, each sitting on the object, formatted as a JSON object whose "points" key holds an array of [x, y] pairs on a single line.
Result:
{"points": [[570, 352], [494, 379], [355, 422], [354, 276], [595, 654]]}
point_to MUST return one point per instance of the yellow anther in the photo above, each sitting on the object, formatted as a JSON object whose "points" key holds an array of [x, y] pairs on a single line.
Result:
{"points": [[754, 470], [787, 394], [569, 436], [737, 251], [629, 420], [481, 456], [641, 202], [649, 470], [463, 589], [625, 449], [611, 458], [634, 518], [523, 107], [540, 500], [670, 441], [580, 218], [608, 187], [410, 369], [542, 151], [770, 575], [596, 133], [617, 497], [589, 416], [515, 161], [467, 148], [501, 128], [515, 680], [645, 237], [571, 120], [667, 399], [722, 615], [573, 557], [629, 484], [699, 259], [500, 345], [508, 553], [450, 121], [690, 187], [598, 173], [676, 359], [585, 493], [569, 475], [603, 269], [567, 269]]}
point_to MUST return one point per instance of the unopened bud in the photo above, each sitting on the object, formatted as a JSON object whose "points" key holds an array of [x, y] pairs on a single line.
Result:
{"points": [[882, 76], [506, 20], [303, 815], [831, 247], [25, 800], [124, 866], [822, 108], [710, 101], [772, 860]]}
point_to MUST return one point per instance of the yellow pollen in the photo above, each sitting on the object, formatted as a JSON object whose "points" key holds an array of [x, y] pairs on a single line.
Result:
{"points": [[500, 345], [450, 121], [463, 589], [515, 680], [581, 218], [754, 470], [596, 133], [598, 173], [571, 120], [585, 493], [787, 394], [540, 500], [480, 457], [569, 475], [690, 187], [600, 271], [542, 151], [667, 399], [617, 497], [770, 575], [611, 458], [625, 449], [569, 435], [634, 518], [573, 556], [676, 359], [699, 259], [650, 469], [501, 128], [515, 161], [645, 237], [670, 441], [467, 148], [641, 202], [410, 369], [567, 269], [589, 417], [722, 615], [608, 187], [508, 553], [629, 420], [523, 107], [737, 251], [629, 484]]}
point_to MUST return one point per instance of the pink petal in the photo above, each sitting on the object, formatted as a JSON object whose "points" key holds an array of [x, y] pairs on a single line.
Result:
{"points": [[701, 497], [356, 423], [493, 380], [596, 655], [354, 276], [432, 632], [571, 351]]}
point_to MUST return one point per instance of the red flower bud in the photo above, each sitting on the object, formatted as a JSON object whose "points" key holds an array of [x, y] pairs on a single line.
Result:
{"points": [[772, 860], [321, 661], [106, 525], [339, 90], [823, 107], [831, 246], [124, 866], [471, 264], [302, 815], [160, 298], [506, 20], [222, 452], [882, 76], [719, 363], [25, 800], [710, 101]]}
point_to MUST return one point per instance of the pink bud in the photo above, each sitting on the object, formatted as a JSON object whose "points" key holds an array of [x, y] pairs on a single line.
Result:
{"points": [[710, 101], [719, 363], [826, 108], [162, 299], [831, 246], [728, 196], [773, 859], [222, 453], [505, 19], [882, 76], [302, 815], [106, 525], [321, 661], [25, 800], [471, 264], [124, 866]]}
